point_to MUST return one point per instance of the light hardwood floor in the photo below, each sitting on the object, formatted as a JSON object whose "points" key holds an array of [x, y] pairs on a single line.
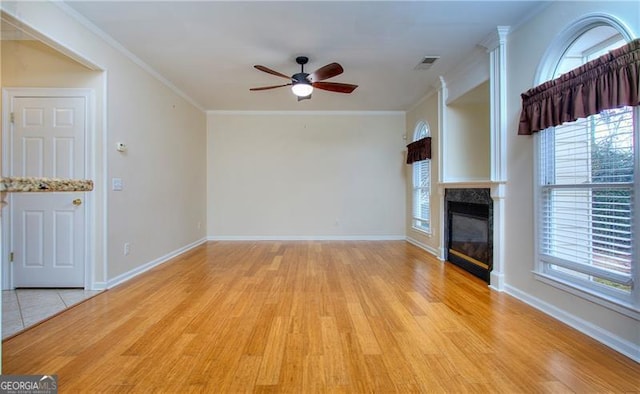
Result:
{"points": [[313, 317]]}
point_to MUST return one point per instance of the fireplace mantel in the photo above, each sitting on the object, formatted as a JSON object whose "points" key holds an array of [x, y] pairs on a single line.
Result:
{"points": [[471, 184], [497, 187]]}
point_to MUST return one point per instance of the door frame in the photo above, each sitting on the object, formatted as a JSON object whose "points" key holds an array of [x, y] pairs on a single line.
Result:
{"points": [[8, 94]]}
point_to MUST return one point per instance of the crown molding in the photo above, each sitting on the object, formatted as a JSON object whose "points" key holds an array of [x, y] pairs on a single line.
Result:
{"points": [[307, 113]]}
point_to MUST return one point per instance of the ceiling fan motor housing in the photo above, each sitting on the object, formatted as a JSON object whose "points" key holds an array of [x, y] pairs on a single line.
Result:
{"points": [[300, 78]]}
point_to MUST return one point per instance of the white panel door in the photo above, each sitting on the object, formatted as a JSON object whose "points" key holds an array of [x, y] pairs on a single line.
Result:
{"points": [[48, 229]]}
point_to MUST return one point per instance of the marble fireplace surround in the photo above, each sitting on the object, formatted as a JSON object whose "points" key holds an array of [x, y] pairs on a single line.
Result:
{"points": [[496, 193]]}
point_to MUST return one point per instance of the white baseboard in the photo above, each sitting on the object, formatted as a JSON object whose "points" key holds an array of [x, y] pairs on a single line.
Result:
{"points": [[496, 281], [306, 238], [151, 264], [424, 246], [98, 286], [618, 344]]}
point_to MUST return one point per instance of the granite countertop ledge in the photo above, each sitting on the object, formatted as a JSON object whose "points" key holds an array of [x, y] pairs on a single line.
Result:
{"points": [[34, 184]]}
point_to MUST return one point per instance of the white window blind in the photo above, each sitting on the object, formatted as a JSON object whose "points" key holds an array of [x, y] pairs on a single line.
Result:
{"points": [[422, 185], [421, 195], [587, 199]]}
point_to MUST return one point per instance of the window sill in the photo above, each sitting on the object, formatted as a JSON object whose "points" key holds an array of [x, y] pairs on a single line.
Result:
{"points": [[427, 233], [588, 294]]}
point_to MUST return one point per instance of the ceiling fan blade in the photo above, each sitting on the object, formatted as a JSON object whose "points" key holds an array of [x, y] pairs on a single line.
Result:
{"points": [[326, 72], [272, 72], [270, 87], [335, 87]]}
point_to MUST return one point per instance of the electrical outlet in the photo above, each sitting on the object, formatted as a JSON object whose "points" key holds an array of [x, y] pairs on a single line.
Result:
{"points": [[127, 248], [117, 184]]}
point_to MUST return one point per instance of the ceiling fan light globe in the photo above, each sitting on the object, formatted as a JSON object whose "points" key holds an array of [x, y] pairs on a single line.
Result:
{"points": [[302, 89]]}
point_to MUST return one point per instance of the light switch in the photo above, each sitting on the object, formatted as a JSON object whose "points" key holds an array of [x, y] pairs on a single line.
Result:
{"points": [[116, 184]]}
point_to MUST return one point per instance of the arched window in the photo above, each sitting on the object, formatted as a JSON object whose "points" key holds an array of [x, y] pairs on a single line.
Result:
{"points": [[422, 185], [586, 186]]}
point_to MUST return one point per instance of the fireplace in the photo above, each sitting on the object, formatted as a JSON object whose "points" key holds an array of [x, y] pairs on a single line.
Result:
{"points": [[469, 230]]}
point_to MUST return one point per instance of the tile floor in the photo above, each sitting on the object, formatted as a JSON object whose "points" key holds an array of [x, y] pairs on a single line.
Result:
{"points": [[23, 308]]}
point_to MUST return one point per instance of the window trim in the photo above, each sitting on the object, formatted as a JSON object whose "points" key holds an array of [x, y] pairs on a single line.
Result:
{"points": [[626, 305], [421, 126]]}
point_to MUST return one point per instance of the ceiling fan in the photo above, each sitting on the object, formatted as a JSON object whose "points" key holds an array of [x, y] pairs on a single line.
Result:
{"points": [[302, 84]]}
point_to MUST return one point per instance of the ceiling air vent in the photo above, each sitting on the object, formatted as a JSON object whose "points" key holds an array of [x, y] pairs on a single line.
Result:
{"points": [[426, 63]]}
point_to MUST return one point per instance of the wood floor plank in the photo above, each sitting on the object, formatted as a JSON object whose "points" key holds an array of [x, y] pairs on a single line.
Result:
{"points": [[269, 372], [313, 317], [335, 367], [363, 330]]}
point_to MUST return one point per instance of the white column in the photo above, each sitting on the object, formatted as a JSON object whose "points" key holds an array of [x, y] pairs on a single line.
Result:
{"points": [[442, 247], [496, 45], [496, 278], [442, 120], [442, 135]]}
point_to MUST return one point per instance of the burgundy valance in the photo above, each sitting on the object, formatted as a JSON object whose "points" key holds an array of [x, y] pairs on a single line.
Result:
{"points": [[419, 150], [610, 81]]}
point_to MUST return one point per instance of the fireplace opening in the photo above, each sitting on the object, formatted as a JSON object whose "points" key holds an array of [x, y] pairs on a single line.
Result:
{"points": [[469, 237]]}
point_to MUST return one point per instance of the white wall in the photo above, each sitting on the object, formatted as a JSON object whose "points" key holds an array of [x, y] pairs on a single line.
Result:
{"points": [[306, 175], [467, 149], [164, 170], [427, 111], [163, 205], [526, 48], [30, 63]]}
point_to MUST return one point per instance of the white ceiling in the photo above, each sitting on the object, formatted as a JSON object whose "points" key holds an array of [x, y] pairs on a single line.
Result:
{"points": [[207, 49]]}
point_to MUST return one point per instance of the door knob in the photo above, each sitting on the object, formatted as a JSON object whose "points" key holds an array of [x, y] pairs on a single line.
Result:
{"points": [[77, 202]]}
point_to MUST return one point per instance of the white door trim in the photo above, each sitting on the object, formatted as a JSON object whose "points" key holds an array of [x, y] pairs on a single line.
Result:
{"points": [[89, 148]]}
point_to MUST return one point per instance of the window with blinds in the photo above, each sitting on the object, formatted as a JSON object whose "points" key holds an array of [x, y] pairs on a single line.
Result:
{"points": [[587, 200], [421, 185], [586, 192]]}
